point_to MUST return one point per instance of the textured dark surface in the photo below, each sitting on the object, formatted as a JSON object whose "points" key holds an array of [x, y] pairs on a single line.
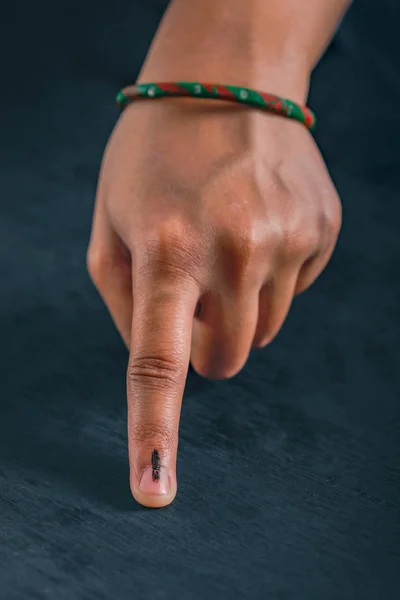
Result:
{"points": [[289, 473]]}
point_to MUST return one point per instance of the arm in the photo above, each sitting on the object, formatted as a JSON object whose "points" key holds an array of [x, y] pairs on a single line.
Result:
{"points": [[266, 44], [224, 215]]}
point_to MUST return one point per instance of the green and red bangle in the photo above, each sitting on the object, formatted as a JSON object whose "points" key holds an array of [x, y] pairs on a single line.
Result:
{"points": [[212, 91]]}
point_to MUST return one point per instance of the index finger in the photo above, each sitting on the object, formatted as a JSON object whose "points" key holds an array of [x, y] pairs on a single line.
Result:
{"points": [[158, 365]]}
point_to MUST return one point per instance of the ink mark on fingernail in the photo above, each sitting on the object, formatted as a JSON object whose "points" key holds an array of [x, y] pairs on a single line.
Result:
{"points": [[155, 465]]}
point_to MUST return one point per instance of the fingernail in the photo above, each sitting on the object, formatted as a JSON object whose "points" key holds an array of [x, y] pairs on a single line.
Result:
{"points": [[155, 478]]}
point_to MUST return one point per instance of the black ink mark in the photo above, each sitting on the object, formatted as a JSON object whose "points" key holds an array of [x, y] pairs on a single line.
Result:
{"points": [[155, 465]]}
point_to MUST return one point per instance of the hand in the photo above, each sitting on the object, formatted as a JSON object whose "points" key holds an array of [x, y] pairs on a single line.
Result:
{"points": [[209, 218]]}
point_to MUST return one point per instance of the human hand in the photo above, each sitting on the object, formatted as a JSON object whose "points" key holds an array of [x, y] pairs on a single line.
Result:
{"points": [[209, 218]]}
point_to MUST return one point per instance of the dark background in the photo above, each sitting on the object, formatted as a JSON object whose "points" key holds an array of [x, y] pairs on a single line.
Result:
{"points": [[289, 473]]}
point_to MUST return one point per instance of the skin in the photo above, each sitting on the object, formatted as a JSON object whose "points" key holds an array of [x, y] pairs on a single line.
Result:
{"points": [[210, 217]]}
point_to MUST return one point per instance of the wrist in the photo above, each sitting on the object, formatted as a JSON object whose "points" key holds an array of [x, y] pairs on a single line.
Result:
{"points": [[220, 45]]}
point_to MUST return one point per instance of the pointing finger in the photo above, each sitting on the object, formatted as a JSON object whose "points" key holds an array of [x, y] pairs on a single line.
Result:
{"points": [[159, 359]]}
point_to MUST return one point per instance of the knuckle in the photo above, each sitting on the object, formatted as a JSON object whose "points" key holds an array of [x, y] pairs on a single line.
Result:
{"points": [[331, 223], [301, 240], [330, 216], [170, 248], [298, 243], [97, 265], [239, 247], [169, 239], [153, 372]]}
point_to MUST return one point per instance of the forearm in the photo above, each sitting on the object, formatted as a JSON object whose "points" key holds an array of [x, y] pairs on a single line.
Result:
{"points": [[268, 44]]}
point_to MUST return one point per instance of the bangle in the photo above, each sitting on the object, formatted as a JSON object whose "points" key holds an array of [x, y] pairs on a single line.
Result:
{"points": [[267, 102]]}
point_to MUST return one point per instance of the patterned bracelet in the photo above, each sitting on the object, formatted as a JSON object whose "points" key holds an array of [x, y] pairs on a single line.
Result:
{"points": [[267, 102]]}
